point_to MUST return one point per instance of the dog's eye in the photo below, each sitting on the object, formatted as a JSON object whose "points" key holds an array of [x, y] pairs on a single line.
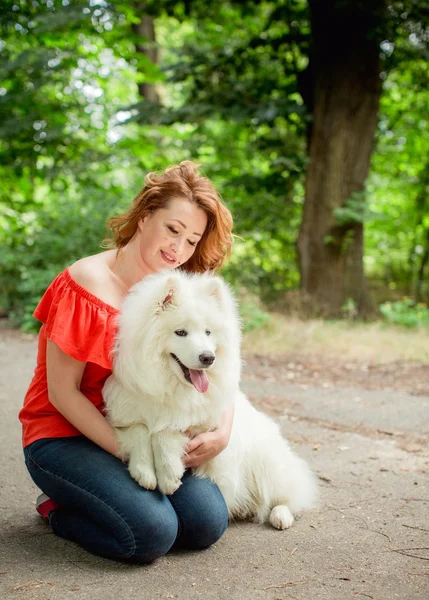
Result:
{"points": [[181, 332], [208, 332]]}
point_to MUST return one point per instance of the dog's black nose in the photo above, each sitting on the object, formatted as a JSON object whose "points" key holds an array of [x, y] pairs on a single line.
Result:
{"points": [[206, 358]]}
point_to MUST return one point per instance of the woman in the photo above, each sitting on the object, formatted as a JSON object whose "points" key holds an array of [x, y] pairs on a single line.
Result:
{"points": [[70, 449]]}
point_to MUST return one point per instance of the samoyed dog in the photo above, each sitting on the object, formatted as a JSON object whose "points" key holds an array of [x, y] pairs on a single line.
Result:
{"points": [[176, 368]]}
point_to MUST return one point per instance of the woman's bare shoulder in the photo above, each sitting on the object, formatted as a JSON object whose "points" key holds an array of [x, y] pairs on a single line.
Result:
{"points": [[89, 271], [93, 274]]}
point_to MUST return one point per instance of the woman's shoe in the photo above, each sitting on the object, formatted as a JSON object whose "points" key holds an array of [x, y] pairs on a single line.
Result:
{"points": [[44, 505]]}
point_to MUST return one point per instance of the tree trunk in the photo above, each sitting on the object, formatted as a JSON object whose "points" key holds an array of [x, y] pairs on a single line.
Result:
{"points": [[416, 266], [145, 29], [420, 295], [344, 74]]}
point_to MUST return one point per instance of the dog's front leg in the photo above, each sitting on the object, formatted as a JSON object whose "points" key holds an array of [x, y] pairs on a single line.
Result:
{"points": [[135, 444], [168, 449]]}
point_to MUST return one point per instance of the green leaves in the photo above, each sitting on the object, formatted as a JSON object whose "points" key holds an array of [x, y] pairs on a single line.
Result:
{"points": [[355, 210], [76, 138], [406, 312]]}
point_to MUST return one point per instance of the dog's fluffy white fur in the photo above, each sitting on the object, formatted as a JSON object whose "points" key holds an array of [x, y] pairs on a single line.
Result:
{"points": [[172, 325]]}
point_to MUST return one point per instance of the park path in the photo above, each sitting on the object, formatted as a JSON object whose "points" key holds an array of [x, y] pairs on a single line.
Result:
{"points": [[369, 538]]}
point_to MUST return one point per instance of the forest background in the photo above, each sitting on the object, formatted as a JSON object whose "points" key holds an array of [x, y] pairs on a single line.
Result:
{"points": [[311, 117]]}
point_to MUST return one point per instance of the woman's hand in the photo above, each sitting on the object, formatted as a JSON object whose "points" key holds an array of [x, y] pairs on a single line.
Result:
{"points": [[209, 444], [203, 447]]}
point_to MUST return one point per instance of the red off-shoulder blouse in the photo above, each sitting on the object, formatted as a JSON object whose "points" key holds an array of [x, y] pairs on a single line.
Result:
{"points": [[84, 327]]}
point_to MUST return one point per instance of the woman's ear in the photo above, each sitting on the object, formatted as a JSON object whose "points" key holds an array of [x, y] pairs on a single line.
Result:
{"points": [[142, 222]]}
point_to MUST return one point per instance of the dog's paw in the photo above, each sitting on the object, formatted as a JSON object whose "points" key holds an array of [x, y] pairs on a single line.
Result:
{"points": [[169, 482], [143, 474], [281, 517]]}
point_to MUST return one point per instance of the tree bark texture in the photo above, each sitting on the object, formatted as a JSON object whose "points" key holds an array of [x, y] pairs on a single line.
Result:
{"points": [[146, 31], [418, 264], [421, 293], [343, 92]]}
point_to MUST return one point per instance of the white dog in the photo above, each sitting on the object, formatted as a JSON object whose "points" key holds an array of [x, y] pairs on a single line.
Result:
{"points": [[176, 368]]}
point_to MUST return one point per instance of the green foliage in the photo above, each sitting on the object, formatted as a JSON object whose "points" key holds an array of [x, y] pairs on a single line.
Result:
{"points": [[54, 238], [235, 85], [76, 138], [398, 186], [253, 317], [355, 210], [406, 312], [349, 309]]}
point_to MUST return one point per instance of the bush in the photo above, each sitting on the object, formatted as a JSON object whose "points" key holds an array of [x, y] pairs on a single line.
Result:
{"points": [[253, 317], [405, 312], [38, 250]]}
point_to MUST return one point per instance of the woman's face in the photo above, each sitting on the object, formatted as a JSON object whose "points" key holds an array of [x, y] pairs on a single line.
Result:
{"points": [[168, 237]]}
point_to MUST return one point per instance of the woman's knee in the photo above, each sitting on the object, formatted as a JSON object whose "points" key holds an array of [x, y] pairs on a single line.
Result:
{"points": [[206, 533], [204, 517], [153, 537], [209, 526], [123, 536]]}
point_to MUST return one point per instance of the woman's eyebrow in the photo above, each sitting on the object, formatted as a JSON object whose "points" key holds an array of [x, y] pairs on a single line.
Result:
{"points": [[184, 226]]}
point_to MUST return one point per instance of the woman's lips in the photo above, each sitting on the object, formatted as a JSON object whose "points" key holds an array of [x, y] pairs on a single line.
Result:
{"points": [[168, 258]]}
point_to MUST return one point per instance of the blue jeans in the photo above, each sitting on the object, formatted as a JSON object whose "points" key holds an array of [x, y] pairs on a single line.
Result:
{"points": [[104, 510]]}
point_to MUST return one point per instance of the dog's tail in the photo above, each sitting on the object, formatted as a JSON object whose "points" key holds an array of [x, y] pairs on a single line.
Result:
{"points": [[299, 493], [287, 489], [302, 485]]}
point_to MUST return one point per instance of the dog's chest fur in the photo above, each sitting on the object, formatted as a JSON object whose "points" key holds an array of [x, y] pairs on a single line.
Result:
{"points": [[180, 410]]}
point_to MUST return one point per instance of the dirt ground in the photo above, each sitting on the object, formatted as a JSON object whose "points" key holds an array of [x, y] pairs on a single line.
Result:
{"points": [[408, 376], [364, 429]]}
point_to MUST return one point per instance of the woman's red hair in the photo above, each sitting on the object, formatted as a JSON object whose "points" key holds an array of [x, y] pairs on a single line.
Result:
{"points": [[180, 181]]}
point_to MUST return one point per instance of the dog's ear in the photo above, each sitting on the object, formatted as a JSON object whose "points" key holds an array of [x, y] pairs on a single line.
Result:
{"points": [[215, 288], [220, 291], [168, 298], [169, 292]]}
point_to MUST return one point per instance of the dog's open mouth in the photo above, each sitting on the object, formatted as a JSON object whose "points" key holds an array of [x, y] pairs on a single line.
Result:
{"points": [[197, 377]]}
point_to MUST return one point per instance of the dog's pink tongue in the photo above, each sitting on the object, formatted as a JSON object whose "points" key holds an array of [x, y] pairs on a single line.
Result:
{"points": [[199, 380]]}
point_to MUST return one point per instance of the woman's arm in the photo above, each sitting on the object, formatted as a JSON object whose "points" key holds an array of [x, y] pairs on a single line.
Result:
{"points": [[207, 445], [64, 375]]}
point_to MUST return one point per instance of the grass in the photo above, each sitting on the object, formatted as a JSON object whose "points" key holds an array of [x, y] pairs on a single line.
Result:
{"points": [[377, 341]]}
